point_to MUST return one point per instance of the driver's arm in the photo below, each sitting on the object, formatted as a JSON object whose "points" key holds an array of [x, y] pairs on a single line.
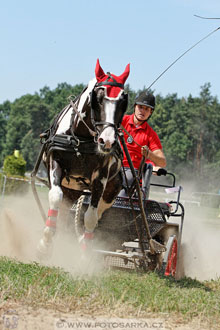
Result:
{"points": [[156, 156]]}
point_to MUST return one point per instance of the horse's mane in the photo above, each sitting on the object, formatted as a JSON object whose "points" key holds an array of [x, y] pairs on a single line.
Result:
{"points": [[85, 95]]}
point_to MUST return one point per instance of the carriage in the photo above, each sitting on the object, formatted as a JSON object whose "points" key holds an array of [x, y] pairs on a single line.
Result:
{"points": [[121, 239], [82, 152]]}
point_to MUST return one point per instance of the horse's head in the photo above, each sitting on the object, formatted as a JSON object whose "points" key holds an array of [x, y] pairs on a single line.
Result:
{"points": [[108, 105]]}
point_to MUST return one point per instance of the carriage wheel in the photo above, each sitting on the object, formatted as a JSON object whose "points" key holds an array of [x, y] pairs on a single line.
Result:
{"points": [[170, 257]]}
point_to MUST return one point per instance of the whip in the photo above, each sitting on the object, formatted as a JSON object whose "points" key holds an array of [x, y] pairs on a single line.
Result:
{"points": [[198, 42]]}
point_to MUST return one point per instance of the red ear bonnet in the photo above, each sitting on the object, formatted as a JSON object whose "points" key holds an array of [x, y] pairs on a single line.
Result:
{"points": [[123, 77], [99, 73], [112, 91]]}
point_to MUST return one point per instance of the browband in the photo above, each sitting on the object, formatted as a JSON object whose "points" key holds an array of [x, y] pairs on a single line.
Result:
{"points": [[110, 83]]}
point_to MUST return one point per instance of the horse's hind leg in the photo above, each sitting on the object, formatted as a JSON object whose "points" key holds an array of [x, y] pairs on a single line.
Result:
{"points": [[55, 198]]}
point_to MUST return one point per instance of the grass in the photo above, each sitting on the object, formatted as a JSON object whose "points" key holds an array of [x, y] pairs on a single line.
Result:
{"points": [[115, 293]]}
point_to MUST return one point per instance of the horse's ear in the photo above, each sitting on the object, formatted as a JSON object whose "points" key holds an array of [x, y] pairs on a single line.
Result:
{"points": [[99, 73], [125, 74]]}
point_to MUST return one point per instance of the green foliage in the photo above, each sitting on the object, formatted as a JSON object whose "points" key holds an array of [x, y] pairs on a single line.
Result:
{"points": [[131, 98], [28, 115], [14, 165], [57, 99], [30, 147], [4, 115], [14, 168]]}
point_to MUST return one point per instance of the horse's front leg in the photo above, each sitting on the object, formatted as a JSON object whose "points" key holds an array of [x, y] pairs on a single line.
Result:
{"points": [[55, 198], [99, 181]]}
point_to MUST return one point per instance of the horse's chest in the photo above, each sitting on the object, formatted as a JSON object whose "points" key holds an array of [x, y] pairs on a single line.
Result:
{"points": [[78, 171]]}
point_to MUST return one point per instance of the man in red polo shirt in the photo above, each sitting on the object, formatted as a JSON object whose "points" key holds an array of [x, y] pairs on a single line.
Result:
{"points": [[140, 131]]}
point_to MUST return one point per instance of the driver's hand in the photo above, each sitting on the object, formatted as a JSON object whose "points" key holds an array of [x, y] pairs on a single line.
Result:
{"points": [[145, 151], [161, 171]]}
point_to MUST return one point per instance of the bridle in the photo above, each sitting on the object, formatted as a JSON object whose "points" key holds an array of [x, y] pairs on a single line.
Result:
{"points": [[104, 124]]}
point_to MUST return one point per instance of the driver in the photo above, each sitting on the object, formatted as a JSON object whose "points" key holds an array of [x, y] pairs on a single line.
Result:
{"points": [[141, 132]]}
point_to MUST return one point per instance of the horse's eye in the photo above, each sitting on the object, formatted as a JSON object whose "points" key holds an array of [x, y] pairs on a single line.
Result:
{"points": [[100, 95]]}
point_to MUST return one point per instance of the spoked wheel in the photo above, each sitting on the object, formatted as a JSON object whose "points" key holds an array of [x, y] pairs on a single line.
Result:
{"points": [[170, 257]]}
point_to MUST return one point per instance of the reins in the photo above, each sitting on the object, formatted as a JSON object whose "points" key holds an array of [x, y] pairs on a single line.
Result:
{"points": [[133, 140], [93, 133], [122, 127], [154, 245]]}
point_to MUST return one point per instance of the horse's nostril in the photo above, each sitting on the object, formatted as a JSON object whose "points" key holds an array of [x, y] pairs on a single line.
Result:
{"points": [[104, 144], [101, 141]]}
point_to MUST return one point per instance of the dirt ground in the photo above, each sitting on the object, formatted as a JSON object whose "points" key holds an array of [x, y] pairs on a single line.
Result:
{"points": [[21, 317]]}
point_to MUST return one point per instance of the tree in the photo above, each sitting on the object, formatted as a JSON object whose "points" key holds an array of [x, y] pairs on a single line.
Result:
{"points": [[5, 109], [27, 114], [57, 99], [14, 164], [201, 128], [131, 99], [30, 147]]}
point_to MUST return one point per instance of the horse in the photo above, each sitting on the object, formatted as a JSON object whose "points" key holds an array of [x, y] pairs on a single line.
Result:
{"points": [[83, 152]]}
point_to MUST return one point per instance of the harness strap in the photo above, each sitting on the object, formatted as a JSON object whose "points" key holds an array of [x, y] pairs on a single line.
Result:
{"points": [[81, 118], [79, 179], [105, 125], [68, 143], [130, 136], [110, 83]]}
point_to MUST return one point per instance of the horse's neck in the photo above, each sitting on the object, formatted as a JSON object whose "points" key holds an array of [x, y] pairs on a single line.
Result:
{"points": [[81, 125], [71, 121]]}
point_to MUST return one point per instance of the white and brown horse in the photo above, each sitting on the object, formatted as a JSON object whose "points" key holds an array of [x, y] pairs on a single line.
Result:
{"points": [[83, 152]]}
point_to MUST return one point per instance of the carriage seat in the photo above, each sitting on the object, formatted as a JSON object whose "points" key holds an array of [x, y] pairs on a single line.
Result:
{"points": [[146, 177]]}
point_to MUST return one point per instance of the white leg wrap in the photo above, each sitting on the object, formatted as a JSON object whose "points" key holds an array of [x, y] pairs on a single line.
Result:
{"points": [[55, 197]]}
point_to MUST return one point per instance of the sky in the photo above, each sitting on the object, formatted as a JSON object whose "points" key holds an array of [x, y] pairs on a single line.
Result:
{"points": [[47, 42]]}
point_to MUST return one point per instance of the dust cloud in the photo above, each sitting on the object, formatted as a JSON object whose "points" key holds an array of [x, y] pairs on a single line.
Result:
{"points": [[200, 240], [21, 228], [201, 244]]}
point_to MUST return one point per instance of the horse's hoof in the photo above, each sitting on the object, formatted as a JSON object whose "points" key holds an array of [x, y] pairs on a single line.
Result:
{"points": [[86, 246], [86, 242], [49, 233], [44, 250]]}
